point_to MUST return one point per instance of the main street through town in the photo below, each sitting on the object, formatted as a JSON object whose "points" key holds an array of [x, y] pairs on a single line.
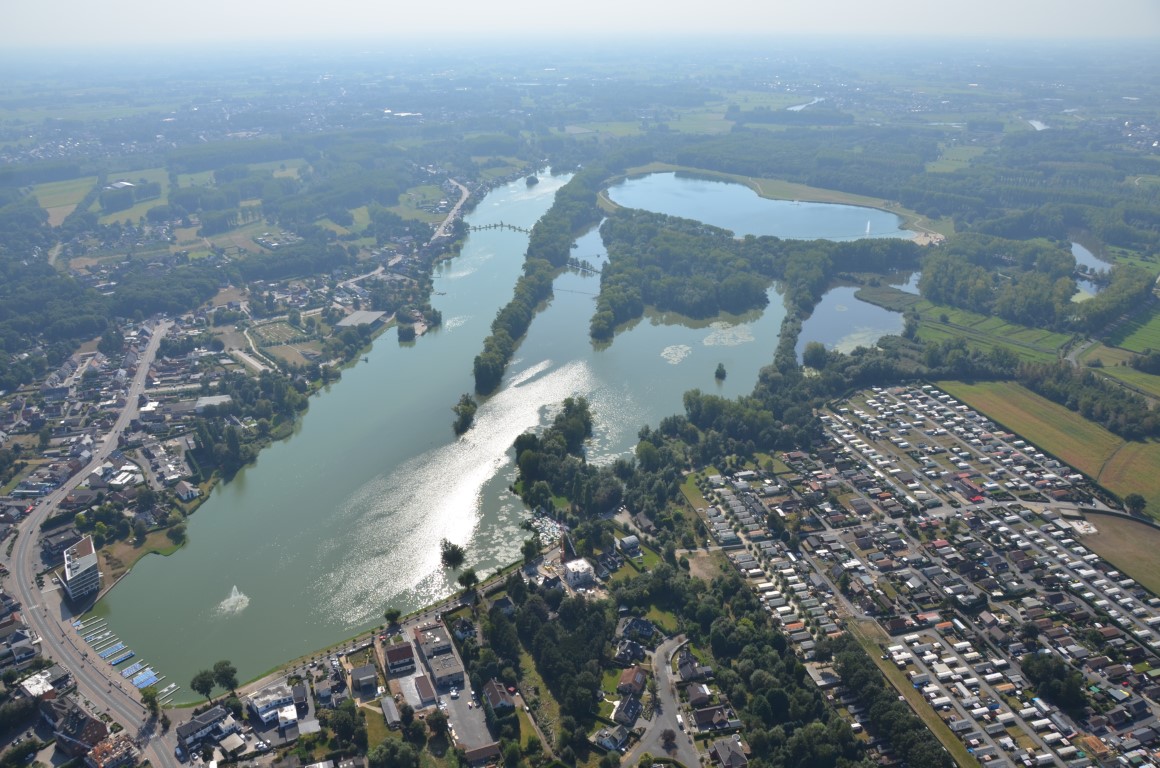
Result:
{"points": [[50, 617]]}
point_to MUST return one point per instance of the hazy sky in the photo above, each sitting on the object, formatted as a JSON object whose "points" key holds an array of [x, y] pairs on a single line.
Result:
{"points": [[34, 23]]}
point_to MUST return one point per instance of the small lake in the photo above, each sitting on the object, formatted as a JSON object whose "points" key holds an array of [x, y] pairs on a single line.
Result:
{"points": [[1085, 258], [842, 322], [739, 209]]}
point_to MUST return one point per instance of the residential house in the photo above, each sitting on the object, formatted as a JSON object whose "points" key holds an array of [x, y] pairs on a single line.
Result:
{"points": [[496, 696], [485, 755], [505, 605], [730, 753], [628, 652], [462, 628], [699, 695], [689, 668], [186, 491], [611, 739], [637, 629], [632, 681], [76, 730], [579, 573], [711, 718], [627, 711], [364, 679], [400, 657]]}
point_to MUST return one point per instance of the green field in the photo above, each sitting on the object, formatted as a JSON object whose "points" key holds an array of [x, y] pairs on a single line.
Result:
{"points": [[292, 353], [1120, 466], [1141, 333], [982, 331], [199, 179], [1133, 470], [1115, 366], [954, 158], [411, 202], [1133, 547], [159, 175], [57, 193], [59, 198]]}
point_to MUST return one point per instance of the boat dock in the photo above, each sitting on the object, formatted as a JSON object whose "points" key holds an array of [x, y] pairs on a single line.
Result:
{"points": [[115, 648], [145, 678], [132, 669], [96, 633]]}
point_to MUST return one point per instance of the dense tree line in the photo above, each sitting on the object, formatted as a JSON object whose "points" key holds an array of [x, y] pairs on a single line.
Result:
{"points": [[1129, 288], [1026, 283], [302, 259], [1096, 399], [1148, 362], [689, 267], [552, 464], [672, 264], [889, 716], [272, 399], [573, 209]]}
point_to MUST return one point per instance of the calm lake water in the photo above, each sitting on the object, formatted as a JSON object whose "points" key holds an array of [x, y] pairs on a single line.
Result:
{"points": [[842, 322], [309, 545], [738, 208], [1084, 257]]}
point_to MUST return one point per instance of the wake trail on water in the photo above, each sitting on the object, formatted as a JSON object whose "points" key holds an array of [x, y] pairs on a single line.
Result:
{"points": [[403, 513]]}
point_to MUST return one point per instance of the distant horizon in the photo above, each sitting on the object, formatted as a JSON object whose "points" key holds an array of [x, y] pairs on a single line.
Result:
{"points": [[501, 48], [100, 27]]}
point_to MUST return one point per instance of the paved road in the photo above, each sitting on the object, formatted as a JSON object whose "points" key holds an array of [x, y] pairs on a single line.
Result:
{"points": [[464, 193], [665, 713], [50, 618]]}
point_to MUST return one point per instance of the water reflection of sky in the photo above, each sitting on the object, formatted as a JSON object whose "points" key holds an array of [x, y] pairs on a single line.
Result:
{"points": [[739, 209], [843, 322]]}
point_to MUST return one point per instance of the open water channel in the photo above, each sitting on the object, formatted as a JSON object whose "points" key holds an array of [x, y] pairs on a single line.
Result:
{"points": [[342, 520]]}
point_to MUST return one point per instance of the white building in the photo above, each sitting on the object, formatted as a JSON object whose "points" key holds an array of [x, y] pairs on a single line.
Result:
{"points": [[81, 575], [267, 702], [579, 573]]}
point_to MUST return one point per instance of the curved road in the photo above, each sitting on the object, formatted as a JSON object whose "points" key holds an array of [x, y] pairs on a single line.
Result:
{"points": [[665, 711], [51, 618]]}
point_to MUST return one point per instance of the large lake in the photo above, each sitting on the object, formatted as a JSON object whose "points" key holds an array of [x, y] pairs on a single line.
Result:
{"points": [[738, 208], [310, 545]]}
